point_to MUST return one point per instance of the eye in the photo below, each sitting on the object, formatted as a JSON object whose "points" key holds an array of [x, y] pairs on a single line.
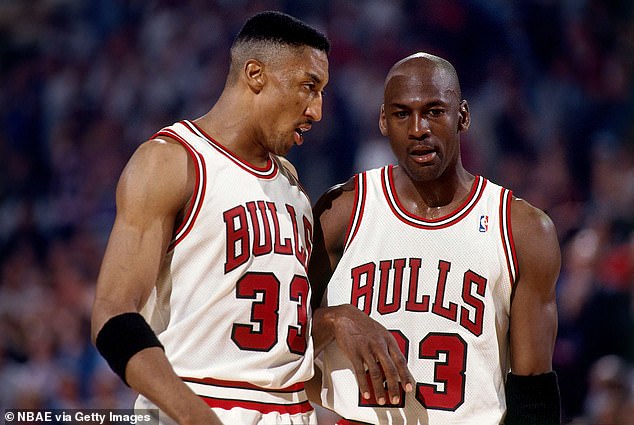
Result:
{"points": [[436, 112], [401, 114]]}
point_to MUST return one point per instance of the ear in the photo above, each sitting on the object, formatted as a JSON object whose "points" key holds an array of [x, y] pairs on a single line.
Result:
{"points": [[464, 117], [254, 74], [383, 121]]}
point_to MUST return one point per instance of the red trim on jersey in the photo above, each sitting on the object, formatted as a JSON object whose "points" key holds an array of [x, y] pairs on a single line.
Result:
{"points": [[200, 185], [356, 215], [292, 409], [351, 422], [506, 197], [391, 196], [244, 385], [269, 171]]}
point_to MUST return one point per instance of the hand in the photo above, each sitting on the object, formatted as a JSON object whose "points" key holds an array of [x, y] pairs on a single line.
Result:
{"points": [[372, 348]]}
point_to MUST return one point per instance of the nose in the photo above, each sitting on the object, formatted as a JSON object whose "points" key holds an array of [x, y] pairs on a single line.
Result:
{"points": [[313, 110], [419, 126]]}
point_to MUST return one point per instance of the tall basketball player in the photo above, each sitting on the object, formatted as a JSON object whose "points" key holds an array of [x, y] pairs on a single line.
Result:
{"points": [[459, 271], [202, 302]]}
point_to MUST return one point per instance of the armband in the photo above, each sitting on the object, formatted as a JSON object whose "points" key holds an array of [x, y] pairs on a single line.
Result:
{"points": [[532, 400], [121, 337]]}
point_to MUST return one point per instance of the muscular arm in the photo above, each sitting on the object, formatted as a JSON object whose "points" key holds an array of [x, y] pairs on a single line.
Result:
{"points": [[366, 343], [533, 305], [532, 392], [153, 188]]}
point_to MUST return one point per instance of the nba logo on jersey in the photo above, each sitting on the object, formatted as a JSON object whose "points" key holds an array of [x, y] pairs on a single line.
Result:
{"points": [[484, 223]]}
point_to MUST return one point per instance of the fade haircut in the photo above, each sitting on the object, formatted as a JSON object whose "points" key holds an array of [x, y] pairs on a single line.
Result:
{"points": [[265, 35]]}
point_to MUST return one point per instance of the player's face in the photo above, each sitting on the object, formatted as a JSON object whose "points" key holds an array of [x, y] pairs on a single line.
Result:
{"points": [[423, 116], [294, 98]]}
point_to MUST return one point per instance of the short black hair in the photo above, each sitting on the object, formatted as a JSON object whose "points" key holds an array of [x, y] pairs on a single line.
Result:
{"points": [[281, 28]]}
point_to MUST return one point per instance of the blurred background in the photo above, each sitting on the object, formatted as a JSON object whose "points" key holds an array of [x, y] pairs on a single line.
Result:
{"points": [[83, 82]]}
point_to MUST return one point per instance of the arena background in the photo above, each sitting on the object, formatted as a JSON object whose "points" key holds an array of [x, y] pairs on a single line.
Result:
{"points": [[82, 83]]}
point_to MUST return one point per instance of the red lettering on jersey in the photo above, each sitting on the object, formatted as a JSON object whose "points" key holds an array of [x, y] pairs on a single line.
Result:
{"points": [[285, 248], [470, 280], [362, 286], [383, 306], [412, 304], [300, 252], [438, 307], [260, 248], [364, 278], [239, 226], [237, 237]]}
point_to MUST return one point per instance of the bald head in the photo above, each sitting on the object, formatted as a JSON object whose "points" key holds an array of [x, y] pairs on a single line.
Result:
{"points": [[424, 66]]}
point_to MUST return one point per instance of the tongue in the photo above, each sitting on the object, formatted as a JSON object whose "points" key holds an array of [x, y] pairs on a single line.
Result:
{"points": [[299, 139]]}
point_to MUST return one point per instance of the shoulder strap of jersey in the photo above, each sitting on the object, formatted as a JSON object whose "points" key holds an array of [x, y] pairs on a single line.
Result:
{"points": [[360, 192], [506, 196]]}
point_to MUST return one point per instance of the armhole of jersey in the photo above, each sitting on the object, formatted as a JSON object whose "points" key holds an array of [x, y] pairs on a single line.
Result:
{"points": [[506, 232], [196, 200], [357, 212]]}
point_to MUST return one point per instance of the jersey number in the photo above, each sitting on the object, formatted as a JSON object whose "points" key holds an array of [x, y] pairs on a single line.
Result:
{"points": [[449, 353], [262, 334]]}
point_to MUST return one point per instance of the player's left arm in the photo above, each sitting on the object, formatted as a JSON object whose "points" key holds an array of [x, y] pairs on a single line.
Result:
{"points": [[532, 391]]}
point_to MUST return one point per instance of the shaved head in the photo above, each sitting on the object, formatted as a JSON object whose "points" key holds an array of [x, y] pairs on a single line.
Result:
{"points": [[424, 63]]}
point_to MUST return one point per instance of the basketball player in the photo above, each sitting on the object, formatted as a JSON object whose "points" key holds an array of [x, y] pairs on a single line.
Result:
{"points": [[202, 302], [459, 271]]}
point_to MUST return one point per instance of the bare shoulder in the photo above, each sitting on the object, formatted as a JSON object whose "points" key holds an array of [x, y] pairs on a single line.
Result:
{"points": [[158, 175], [536, 243], [529, 221], [159, 154], [332, 215], [334, 207]]}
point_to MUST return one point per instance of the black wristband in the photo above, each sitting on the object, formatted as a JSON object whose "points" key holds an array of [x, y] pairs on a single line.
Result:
{"points": [[121, 337], [532, 400]]}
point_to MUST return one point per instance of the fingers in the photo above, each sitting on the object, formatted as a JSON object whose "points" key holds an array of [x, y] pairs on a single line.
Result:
{"points": [[387, 378], [379, 365], [362, 381], [370, 378], [375, 373], [405, 377], [395, 375]]}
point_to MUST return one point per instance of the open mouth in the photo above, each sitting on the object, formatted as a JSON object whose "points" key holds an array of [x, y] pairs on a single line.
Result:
{"points": [[423, 154], [299, 133], [299, 136]]}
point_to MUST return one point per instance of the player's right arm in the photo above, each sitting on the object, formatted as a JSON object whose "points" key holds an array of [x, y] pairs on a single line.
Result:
{"points": [[365, 342], [154, 187]]}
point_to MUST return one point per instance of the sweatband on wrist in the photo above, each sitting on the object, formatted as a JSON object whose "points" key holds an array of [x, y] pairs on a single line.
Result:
{"points": [[121, 337], [532, 400]]}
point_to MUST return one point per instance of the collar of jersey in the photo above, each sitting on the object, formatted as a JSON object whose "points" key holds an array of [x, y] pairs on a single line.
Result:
{"points": [[269, 171], [387, 183]]}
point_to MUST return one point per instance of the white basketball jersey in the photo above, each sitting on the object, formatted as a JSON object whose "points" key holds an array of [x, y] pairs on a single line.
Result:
{"points": [[231, 304], [443, 288]]}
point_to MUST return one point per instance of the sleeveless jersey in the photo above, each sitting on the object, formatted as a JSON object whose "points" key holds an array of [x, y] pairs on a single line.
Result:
{"points": [[443, 288], [231, 304]]}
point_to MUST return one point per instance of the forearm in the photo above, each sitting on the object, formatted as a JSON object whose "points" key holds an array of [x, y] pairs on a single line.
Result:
{"points": [[134, 352], [150, 373]]}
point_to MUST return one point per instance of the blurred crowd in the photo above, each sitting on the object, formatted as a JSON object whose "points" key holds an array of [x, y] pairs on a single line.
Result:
{"points": [[82, 82]]}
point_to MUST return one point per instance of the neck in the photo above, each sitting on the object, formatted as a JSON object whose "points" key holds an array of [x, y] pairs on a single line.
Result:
{"points": [[230, 124], [434, 198]]}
